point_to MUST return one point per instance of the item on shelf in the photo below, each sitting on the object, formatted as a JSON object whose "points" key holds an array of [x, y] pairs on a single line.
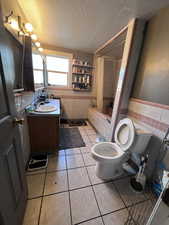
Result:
{"points": [[81, 75]]}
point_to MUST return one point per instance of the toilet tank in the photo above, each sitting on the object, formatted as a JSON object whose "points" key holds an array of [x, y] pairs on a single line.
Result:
{"points": [[142, 139]]}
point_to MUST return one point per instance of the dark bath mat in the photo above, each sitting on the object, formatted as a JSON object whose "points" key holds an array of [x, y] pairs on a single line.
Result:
{"points": [[77, 122], [70, 138]]}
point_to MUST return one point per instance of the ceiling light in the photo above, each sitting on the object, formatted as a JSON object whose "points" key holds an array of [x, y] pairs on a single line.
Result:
{"points": [[14, 24], [34, 37], [37, 44], [29, 27], [40, 49]]}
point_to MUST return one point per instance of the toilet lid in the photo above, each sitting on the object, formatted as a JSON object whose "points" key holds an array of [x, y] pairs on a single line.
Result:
{"points": [[124, 134]]}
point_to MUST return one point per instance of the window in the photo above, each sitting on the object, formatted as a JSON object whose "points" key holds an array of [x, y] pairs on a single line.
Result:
{"points": [[38, 69], [57, 69]]}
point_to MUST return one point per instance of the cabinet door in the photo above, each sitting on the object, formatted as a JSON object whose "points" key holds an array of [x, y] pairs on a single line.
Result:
{"points": [[44, 133]]}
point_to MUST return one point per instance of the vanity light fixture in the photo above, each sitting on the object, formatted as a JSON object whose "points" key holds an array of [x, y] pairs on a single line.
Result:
{"points": [[40, 49], [37, 44], [34, 37], [23, 29], [28, 27], [14, 24], [21, 33]]}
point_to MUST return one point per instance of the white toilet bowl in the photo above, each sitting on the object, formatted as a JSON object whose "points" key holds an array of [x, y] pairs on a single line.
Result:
{"points": [[110, 156]]}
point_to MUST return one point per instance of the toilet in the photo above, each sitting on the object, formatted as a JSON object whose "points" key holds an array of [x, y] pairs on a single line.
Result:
{"points": [[111, 156]]}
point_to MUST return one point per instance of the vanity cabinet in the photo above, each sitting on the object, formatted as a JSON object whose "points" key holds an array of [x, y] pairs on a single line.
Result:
{"points": [[44, 133]]}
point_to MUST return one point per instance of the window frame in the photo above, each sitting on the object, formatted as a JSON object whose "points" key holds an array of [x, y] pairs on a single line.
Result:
{"points": [[37, 85], [66, 56]]}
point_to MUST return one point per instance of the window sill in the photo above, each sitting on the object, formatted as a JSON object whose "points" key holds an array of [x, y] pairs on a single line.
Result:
{"points": [[18, 90], [39, 88], [53, 87]]}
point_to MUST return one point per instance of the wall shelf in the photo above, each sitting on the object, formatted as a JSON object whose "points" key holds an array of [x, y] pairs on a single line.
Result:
{"points": [[82, 90], [83, 66], [81, 76]]}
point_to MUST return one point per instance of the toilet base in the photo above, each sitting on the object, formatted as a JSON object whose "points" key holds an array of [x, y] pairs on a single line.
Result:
{"points": [[107, 171]]}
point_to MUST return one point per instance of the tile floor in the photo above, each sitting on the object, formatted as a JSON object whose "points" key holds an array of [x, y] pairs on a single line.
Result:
{"points": [[68, 192]]}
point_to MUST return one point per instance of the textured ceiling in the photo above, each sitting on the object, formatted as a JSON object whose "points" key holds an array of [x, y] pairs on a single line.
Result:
{"points": [[84, 24]]}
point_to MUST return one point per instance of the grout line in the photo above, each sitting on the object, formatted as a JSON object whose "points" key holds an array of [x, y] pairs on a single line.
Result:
{"points": [[105, 214], [42, 197], [84, 221], [94, 194], [130, 206], [92, 186], [70, 208]]}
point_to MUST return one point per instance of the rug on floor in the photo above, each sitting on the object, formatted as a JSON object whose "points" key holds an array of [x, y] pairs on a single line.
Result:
{"points": [[77, 122], [70, 138]]}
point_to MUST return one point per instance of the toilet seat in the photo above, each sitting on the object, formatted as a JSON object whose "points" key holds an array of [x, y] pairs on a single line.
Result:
{"points": [[106, 151], [124, 134], [124, 138]]}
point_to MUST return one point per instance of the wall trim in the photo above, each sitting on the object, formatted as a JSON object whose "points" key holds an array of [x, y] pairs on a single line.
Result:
{"points": [[76, 97], [59, 89], [158, 105], [149, 121]]}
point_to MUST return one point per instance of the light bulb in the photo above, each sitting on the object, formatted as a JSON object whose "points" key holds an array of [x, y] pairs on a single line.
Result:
{"points": [[14, 24], [21, 33], [40, 49], [29, 27], [34, 37], [37, 44]]}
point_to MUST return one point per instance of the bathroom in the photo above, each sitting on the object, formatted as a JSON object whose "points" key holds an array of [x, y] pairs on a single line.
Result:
{"points": [[84, 118]]}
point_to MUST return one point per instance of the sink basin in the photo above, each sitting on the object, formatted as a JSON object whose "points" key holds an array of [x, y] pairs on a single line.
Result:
{"points": [[46, 108]]}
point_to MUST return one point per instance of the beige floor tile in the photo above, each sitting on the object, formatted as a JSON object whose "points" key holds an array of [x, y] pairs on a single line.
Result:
{"points": [[92, 175], [32, 212], [93, 138], [83, 132], [55, 210], [142, 211], [88, 159], [91, 132], [60, 153], [35, 185], [97, 221], [86, 139], [89, 144], [108, 198], [74, 161], [56, 182], [116, 218], [126, 192], [88, 127], [72, 151], [78, 178], [56, 163], [81, 128], [85, 150], [83, 205], [35, 172]]}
